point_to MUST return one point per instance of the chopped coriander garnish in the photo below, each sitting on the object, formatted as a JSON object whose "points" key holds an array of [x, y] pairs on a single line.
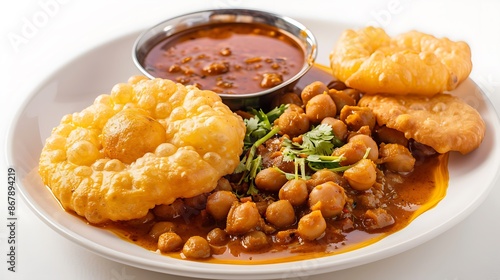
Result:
{"points": [[259, 129], [317, 144], [249, 165], [260, 124], [330, 162], [318, 141], [289, 176], [316, 149]]}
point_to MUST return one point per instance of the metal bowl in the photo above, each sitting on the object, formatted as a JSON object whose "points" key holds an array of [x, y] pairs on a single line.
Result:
{"points": [[297, 31]]}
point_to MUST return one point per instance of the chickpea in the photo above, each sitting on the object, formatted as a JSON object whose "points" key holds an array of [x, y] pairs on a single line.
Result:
{"points": [[313, 89], [242, 218], [362, 175], [223, 185], [255, 240], [355, 117], [169, 242], [341, 98], [324, 175], [369, 143], [217, 237], [295, 108], [320, 107], [366, 130], [329, 198], [353, 93], [339, 128], [159, 228], [295, 191], [293, 123], [170, 211], [280, 213], [219, 203], [196, 247], [356, 148], [270, 179], [311, 226], [352, 152], [396, 157]]}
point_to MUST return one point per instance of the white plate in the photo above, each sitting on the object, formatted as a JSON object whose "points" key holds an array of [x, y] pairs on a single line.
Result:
{"points": [[75, 86]]}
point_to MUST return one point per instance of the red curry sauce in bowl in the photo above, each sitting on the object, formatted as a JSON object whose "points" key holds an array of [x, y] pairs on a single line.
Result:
{"points": [[246, 56]]}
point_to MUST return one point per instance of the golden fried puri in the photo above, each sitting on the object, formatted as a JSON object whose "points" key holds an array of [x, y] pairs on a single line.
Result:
{"points": [[147, 143], [371, 61], [443, 122]]}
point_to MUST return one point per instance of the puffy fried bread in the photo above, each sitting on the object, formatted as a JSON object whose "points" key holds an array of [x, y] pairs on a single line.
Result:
{"points": [[443, 122], [146, 143], [371, 61]]}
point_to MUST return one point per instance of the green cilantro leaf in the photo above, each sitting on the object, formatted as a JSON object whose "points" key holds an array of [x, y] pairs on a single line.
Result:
{"points": [[258, 126], [318, 141], [316, 148]]}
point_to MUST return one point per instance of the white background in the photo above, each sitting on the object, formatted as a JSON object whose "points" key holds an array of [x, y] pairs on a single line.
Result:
{"points": [[37, 37]]}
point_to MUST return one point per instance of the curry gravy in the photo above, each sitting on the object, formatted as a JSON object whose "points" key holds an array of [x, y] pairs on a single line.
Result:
{"points": [[232, 58], [407, 197]]}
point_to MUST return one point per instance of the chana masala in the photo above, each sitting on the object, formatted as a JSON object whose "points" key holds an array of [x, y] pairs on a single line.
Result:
{"points": [[314, 180]]}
